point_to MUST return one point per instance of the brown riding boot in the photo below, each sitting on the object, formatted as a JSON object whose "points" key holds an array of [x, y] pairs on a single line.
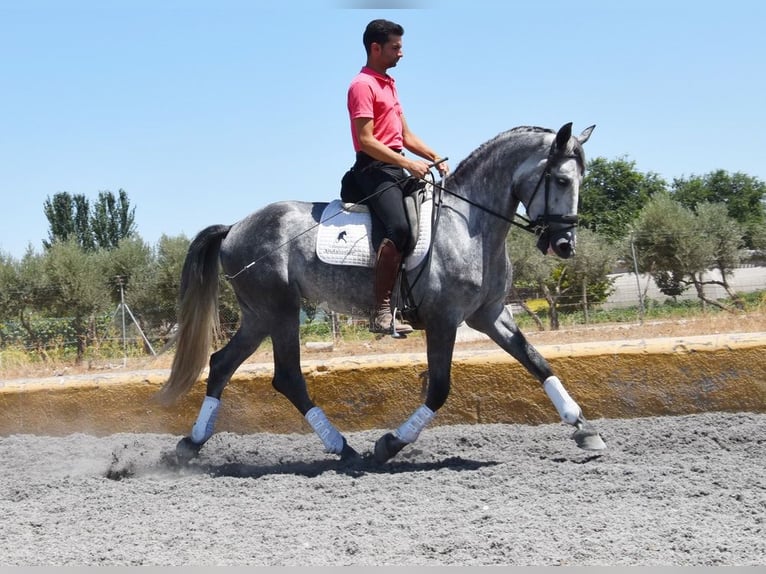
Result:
{"points": [[386, 268]]}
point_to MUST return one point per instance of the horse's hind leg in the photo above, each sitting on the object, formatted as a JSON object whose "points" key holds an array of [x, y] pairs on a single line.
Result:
{"points": [[502, 329], [223, 364], [289, 380]]}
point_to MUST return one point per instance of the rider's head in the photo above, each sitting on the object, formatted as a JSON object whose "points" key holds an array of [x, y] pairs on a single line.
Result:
{"points": [[383, 42]]}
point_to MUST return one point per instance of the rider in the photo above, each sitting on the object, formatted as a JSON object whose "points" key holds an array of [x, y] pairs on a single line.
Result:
{"points": [[380, 134]]}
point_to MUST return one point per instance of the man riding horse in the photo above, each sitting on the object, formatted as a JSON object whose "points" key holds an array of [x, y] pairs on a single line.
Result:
{"points": [[380, 133]]}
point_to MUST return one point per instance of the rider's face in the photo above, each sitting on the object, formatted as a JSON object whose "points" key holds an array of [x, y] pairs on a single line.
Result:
{"points": [[390, 52]]}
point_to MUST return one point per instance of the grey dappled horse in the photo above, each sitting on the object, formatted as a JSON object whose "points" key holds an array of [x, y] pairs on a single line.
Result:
{"points": [[270, 259]]}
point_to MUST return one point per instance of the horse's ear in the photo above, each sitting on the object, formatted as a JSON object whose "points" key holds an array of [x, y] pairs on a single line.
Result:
{"points": [[562, 138], [585, 135]]}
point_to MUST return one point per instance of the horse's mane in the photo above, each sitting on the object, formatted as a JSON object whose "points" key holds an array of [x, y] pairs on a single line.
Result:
{"points": [[482, 149]]}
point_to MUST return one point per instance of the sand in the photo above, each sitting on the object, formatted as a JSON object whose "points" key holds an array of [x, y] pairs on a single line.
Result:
{"points": [[668, 491]]}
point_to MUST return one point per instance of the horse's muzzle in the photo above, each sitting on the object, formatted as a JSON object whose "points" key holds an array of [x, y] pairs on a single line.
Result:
{"points": [[558, 240]]}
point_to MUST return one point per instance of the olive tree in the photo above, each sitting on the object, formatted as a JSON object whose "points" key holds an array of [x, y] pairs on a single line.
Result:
{"points": [[677, 246]]}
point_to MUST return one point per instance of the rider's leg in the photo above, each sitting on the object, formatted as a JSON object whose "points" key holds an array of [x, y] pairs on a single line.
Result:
{"points": [[387, 265], [387, 207]]}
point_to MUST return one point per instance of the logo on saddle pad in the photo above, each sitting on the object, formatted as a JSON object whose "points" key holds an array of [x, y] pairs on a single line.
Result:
{"points": [[345, 235]]}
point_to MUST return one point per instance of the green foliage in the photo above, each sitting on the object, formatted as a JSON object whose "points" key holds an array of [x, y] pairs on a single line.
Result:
{"points": [[579, 282], [743, 196], [71, 218], [112, 219], [613, 193], [161, 298], [321, 329], [677, 245], [309, 309], [74, 288], [666, 243], [587, 283], [726, 235]]}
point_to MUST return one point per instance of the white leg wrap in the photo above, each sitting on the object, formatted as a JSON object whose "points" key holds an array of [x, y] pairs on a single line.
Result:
{"points": [[331, 438], [565, 405], [203, 428], [410, 429]]}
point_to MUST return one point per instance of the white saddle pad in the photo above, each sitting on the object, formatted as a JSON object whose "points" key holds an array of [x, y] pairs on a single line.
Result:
{"points": [[345, 235]]}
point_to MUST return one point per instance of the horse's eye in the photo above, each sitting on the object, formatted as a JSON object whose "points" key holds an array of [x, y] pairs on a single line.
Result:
{"points": [[562, 181]]}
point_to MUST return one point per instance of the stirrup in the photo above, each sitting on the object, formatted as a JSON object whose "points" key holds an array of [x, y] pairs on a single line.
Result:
{"points": [[398, 334]]}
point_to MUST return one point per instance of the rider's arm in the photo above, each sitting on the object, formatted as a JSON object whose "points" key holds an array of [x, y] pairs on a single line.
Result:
{"points": [[373, 147], [417, 146]]}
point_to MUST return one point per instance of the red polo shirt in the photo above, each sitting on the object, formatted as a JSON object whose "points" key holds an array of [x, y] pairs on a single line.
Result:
{"points": [[373, 95]]}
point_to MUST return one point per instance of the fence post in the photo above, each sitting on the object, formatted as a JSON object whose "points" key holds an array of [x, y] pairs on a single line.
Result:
{"points": [[638, 281]]}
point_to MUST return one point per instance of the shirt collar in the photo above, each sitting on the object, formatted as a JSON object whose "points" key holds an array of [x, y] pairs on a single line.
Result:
{"points": [[380, 77]]}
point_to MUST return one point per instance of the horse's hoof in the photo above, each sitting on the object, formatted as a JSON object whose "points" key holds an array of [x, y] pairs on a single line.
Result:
{"points": [[348, 453], [387, 446], [587, 438], [187, 450]]}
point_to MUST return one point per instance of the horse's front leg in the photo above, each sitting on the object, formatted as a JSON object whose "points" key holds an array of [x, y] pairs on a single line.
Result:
{"points": [[502, 329], [289, 380], [440, 344]]}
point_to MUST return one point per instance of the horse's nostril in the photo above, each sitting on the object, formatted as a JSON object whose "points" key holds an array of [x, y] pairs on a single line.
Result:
{"points": [[564, 249]]}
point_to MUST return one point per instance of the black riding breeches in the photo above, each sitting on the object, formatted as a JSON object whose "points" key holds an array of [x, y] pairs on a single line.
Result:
{"points": [[381, 185]]}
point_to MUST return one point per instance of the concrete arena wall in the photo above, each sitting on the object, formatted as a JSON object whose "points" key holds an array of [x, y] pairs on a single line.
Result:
{"points": [[621, 379]]}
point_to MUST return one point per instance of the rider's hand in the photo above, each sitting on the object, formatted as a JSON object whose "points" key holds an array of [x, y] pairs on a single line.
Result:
{"points": [[443, 167], [418, 168]]}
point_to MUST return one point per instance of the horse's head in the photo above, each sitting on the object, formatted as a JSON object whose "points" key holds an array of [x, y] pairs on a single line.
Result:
{"points": [[550, 191]]}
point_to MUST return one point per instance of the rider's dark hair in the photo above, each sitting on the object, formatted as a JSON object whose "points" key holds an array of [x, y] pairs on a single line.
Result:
{"points": [[379, 31]]}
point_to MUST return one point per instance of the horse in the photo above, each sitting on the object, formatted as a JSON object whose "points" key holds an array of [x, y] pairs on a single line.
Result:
{"points": [[270, 259]]}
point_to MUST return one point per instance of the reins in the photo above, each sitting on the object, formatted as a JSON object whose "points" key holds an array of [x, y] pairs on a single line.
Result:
{"points": [[321, 221], [536, 227]]}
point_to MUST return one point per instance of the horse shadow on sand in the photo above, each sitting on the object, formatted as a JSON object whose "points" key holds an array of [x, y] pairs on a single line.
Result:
{"points": [[356, 467]]}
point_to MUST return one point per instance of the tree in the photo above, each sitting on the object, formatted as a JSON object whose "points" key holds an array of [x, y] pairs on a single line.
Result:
{"points": [[530, 270], [165, 283], [727, 239], [743, 196], [22, 285], [112, 219], [589, 270], [580, 281], [612, 195], [677, 246], [70, 217], [758, 238], [131, 260], [74, 288], [666, 246], [9, 295]]}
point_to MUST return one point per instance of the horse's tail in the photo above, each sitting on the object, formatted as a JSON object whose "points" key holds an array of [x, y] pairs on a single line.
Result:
{"points": [[198, 322]]}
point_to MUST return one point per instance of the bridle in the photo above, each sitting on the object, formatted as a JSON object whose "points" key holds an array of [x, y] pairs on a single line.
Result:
{"points": [[547, 222], [543, 223], [541, 227]]}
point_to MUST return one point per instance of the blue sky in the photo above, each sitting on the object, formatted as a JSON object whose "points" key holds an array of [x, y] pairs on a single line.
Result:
{"points": [[205, 111]]}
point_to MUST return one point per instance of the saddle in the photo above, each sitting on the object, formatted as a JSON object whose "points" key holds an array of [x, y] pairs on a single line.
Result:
{"points": [[345, 229]]}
